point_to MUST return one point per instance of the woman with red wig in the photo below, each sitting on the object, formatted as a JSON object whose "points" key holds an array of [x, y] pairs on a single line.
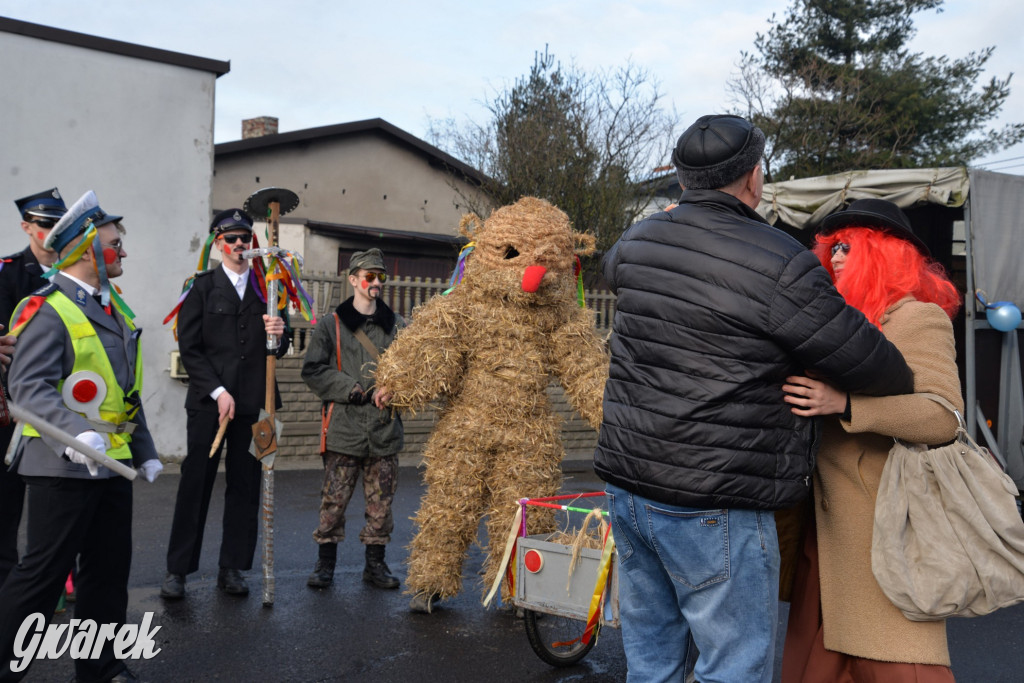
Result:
{"points": [[841, 625]]}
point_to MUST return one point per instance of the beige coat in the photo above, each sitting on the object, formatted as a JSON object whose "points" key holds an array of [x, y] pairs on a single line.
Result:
{"points": [[858, 619]]}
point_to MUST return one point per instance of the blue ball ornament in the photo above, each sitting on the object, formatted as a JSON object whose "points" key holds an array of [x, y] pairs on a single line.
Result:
{"points": [[1003, 316]]}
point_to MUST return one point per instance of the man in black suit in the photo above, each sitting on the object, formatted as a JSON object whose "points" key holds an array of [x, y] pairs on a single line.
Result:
{"points": [[221, 336], [20, 275]]}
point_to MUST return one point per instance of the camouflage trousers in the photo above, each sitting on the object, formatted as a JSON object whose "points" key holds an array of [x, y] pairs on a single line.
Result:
{"points": [[380, 480]]}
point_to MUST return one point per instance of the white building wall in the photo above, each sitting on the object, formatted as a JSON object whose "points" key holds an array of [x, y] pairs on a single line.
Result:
{"points": [[140, 134]]}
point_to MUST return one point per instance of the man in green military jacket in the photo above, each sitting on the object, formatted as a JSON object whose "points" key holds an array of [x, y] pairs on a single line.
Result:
{"points": [[356, 437]]}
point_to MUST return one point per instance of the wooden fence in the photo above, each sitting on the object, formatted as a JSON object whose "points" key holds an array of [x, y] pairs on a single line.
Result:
{"points": [[403, 294]]}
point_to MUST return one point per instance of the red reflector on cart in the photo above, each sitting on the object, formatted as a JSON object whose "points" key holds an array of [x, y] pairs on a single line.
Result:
{"points": [[533, 561]]}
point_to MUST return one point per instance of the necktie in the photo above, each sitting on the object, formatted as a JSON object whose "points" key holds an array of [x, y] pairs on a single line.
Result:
{"points": [[99, 300]]}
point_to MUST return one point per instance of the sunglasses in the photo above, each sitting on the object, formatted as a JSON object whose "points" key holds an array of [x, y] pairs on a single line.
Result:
{"points": [[840, 246], [231, 239], [44, 223], [370, 277]]}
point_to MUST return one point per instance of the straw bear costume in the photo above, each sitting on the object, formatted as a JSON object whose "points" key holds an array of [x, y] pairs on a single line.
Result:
{"points": [[488, 350]]}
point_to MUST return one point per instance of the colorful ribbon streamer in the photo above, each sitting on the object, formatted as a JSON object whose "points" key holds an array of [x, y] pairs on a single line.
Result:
{"points": [[282, 272], [460, 267]]}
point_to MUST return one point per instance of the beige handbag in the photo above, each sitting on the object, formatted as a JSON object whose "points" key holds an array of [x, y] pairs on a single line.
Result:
{"points": [[948, 539]]}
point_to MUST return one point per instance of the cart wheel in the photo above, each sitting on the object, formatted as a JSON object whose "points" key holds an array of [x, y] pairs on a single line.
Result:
{"points": [[556, 639]]}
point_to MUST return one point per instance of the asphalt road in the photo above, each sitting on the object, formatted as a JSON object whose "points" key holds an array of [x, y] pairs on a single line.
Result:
{"points": [[354, 632]]}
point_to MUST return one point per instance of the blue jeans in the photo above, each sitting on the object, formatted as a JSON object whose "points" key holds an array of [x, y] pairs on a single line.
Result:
{"points": [[709, 575]]}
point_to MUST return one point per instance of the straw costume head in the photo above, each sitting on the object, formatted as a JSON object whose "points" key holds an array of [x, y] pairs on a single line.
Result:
{"points": [[488, 349]]}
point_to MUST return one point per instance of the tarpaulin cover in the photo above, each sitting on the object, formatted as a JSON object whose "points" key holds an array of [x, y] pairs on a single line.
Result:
{"points": [[804, 203], [997, 235]]}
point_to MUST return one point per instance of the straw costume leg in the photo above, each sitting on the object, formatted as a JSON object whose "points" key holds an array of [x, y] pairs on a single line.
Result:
{"points": [[531, 469], [448, 517]]}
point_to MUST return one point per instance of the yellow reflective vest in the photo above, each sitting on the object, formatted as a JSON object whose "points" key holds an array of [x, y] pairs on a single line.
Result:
{"points": [[90, 355]]}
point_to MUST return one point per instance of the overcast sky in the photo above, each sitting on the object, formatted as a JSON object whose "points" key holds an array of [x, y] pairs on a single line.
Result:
{"points": [[321, 62]]}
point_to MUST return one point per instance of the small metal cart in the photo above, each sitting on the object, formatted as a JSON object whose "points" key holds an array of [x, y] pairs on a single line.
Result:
{"points": [[563, 606]]}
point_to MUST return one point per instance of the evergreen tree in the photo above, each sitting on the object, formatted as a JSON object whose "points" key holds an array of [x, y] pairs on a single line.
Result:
{"points": [[835, 88]]}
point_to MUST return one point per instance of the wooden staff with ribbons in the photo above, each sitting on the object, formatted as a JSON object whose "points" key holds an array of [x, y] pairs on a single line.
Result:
{"points": [[270, 203]]}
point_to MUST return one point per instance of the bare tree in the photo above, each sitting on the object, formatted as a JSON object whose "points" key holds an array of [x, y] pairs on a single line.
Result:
{"points": [[585, 142]]}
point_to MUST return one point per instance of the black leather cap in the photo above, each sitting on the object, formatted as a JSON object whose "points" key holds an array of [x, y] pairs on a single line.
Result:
{"points": [[716, 150]]}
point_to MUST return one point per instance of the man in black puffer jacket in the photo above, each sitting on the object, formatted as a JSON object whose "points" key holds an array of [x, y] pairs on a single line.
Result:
{"points": [[715, 309]]}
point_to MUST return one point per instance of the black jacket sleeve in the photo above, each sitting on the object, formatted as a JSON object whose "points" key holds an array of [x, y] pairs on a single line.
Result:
{"points": [[809, 318]]}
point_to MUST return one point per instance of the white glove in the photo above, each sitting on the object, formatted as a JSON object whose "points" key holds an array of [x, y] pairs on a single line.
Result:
{"points": [[151, 468], [89, 438]]}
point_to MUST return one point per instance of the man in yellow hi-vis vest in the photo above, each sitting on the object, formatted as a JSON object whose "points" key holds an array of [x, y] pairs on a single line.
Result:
{"points": [[79, 367]]}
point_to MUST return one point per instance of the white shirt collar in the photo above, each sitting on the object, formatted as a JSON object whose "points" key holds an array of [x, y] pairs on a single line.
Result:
{"points": [[89, 289], [237, 279]]}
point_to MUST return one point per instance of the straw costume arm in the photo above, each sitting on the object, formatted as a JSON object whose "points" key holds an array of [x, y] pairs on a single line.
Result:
{"points": [[427, 358], [580, 361]]}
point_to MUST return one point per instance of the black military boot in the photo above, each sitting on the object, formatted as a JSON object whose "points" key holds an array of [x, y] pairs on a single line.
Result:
{"points": [[323, 572], [376, 571]]}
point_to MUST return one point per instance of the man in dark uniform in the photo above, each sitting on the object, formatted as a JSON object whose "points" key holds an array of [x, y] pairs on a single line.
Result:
{"points": [[222, 330], [76, 507], [20, 275]]}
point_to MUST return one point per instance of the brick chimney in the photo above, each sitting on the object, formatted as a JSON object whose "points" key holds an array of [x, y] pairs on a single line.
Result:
{"points": [[259, 126]]}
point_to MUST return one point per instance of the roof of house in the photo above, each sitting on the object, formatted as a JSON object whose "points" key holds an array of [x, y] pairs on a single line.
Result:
{"points": [[341, 229], [116, 47], [435, 156]]}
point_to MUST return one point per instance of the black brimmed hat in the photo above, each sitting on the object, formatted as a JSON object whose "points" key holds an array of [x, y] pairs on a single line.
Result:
{"points": [[877, 214], [716, 150], [230, 219]]}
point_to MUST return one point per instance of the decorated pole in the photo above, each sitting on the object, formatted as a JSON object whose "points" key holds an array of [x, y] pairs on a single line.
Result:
{"points": [[271, 203]]}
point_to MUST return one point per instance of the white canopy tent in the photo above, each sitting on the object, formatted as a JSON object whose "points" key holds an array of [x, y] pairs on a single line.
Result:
{"points": [[993, 212]]}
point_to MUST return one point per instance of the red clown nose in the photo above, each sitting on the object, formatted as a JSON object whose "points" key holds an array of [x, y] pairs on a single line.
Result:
{"points": [[532, 278]]}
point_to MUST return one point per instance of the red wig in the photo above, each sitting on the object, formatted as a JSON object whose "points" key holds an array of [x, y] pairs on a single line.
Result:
{"points": [[881, 269]]}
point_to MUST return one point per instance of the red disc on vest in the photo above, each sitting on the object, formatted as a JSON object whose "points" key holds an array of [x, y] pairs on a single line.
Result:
{"points": [[84, 391], [533, 561]]}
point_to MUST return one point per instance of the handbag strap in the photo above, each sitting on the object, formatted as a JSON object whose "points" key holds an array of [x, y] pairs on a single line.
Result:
{"points": [[949, 406], [961, 432]]}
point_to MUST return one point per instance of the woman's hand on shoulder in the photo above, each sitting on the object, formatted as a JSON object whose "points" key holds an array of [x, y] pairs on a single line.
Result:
{"points": [[809, 397]]}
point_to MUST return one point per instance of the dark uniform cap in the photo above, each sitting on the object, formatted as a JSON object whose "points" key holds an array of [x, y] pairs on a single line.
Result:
{"points": [[877, 214], [716, 150], [102, 218], [231, 219], [46, 204], [371, 259]]}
